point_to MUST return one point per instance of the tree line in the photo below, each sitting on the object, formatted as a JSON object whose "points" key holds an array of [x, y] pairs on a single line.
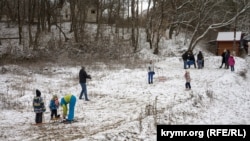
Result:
{"points": [[195, 18]]}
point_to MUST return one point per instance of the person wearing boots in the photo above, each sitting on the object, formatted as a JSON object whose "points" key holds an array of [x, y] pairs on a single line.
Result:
{"points": [[150, 72], [188, 80], [82, 80], [71, 100], [39, 108], [54, 105]]}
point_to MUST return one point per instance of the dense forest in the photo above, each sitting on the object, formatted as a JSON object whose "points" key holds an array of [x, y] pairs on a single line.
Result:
{"points": [[198, 19]]}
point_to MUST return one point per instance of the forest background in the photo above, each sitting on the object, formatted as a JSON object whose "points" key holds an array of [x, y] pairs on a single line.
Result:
{"points": [[118, 24]]}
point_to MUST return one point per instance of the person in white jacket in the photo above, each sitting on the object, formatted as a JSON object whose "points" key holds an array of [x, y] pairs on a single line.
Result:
{"points": [[150, 72]]}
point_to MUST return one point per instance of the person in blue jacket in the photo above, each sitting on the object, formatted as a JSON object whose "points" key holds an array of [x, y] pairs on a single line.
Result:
{"points": [[71, 100], [54, 105]]}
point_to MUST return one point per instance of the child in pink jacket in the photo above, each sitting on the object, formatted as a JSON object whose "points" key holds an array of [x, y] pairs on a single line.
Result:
{"points": [[231, 62], [188, 80]]}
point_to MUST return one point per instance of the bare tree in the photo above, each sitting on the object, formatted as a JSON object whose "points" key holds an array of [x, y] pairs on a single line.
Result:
{"points": [[19, 21], [200, 16]]}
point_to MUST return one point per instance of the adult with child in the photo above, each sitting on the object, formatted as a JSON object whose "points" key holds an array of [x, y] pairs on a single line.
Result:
{"points": [[39, 108], [82, 80], [54, 105], [70, 100]]}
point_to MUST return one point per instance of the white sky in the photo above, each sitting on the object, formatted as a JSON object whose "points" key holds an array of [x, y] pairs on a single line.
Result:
{"points": [[119, 97]]}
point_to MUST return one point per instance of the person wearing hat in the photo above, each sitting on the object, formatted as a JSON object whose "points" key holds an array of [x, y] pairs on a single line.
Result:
{"points": [[188, 80], [39, 107], [54, 105], [71, 100], [82, 80]]}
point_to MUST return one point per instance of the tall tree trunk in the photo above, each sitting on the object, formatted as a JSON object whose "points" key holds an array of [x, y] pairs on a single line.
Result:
{"points": [[98, 19], [133, 40], [149, 26], [19, 21], [73, 19], [48, 11], [30, 20], [159, 28]]}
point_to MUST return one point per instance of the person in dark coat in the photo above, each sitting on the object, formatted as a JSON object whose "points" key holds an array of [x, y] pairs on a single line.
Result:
{"points": [[185, 58], [200, 60], [39, 107], [82, 80], [191, 59], [223, 55], [226, 59]]}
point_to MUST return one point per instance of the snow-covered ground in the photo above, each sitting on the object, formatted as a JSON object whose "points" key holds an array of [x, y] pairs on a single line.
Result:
{"points": [[123, 105]]}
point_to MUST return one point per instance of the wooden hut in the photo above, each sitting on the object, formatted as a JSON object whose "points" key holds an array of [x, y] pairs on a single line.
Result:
{"points": [[229, 41]]}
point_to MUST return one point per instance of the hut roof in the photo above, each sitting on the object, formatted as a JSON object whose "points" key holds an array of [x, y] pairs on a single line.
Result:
{"points": [[228, 36]]}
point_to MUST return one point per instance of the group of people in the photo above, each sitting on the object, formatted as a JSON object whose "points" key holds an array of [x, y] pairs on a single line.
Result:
{"points": [[39, 107], [189, 59], [227, 60], [66, 102]]}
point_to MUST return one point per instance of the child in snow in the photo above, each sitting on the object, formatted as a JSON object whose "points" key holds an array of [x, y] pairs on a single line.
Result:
{"points": [[188, 79], [231, 62], [39, 107], [54, 104]]}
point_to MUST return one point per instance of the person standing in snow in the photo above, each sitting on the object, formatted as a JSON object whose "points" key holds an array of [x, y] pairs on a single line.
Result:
{"points": [[71, 100], [231, 62], [54, 105], [226, 59], [191, 59], [82, 80], [188, 80], [185, 59], [223, 55], [248, 49], [200, 60], [150, 72], [39, 108]]}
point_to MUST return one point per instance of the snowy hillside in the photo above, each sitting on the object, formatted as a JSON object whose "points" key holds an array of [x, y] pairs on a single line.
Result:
{"points": [[123, 105]]}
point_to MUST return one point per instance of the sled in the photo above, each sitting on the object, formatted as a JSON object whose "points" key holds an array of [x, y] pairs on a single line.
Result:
{"points": [[161, 78], [68, 122], [38, 124]]}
